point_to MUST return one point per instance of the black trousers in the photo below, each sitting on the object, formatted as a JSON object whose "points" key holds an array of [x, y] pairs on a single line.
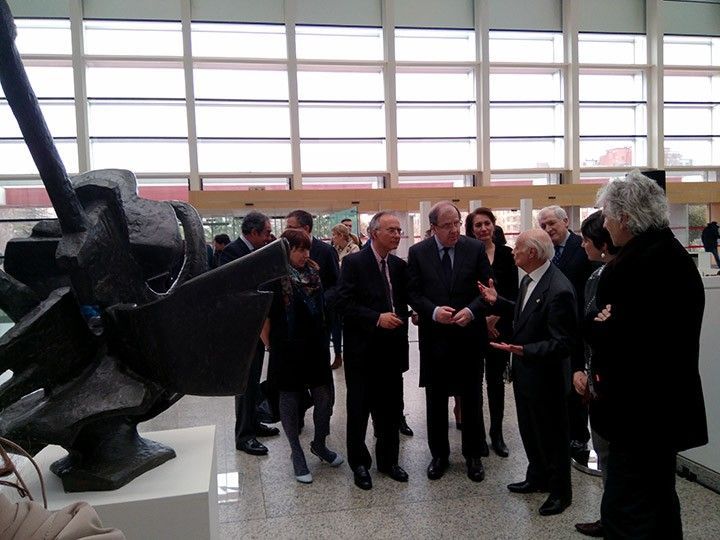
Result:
{"points": [[544, 431], [578, 418], [495, 364], [379, 395], [246, 404], [473, 426], [639, 500]]}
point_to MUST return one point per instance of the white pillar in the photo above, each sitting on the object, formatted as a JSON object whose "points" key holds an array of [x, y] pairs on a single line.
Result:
{"points": [[407, 236], [425, 207], [679, 223], [475, 204], [526, 218]]}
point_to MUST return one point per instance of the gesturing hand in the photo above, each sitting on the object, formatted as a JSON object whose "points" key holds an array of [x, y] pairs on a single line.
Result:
{"points": [[488, 292], [507, 347], [604, 315]]}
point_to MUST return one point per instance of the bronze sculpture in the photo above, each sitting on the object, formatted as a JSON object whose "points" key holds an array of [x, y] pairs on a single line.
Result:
{"points": [[95, 349]]}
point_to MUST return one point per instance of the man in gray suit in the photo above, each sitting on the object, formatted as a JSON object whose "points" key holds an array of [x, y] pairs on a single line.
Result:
{"points": [[544, 325]]}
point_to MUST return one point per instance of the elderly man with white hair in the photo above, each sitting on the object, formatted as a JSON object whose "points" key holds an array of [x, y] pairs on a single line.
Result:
{"points": [[545, 326]]}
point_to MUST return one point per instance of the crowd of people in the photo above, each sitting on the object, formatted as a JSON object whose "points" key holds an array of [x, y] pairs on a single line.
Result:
{"points": [[580, 323]]}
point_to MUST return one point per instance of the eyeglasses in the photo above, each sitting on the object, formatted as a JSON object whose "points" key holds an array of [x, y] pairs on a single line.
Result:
{"points": [[452, 225]]}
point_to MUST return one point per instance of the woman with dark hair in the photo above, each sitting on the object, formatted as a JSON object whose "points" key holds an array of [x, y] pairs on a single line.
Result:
{"points": [[599, 248], [299, 357], [480, 224]]}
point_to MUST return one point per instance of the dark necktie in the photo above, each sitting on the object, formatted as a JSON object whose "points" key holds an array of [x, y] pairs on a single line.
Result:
{"points": [[524, 282], [386, 285], [558, 254], [446, 264]]}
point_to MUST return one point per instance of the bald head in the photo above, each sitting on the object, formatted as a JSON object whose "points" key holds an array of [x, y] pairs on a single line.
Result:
{"points": [[532, 249]]}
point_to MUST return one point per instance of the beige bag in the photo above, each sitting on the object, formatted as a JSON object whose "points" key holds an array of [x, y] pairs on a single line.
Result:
{"points": [[28, 520]]}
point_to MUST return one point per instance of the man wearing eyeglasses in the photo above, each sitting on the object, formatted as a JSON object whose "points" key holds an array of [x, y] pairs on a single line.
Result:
{"points": [[372, 296], [443, 273]]}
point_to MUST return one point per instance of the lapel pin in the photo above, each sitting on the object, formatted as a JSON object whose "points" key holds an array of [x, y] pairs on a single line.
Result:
{"points": [[537, 300]]}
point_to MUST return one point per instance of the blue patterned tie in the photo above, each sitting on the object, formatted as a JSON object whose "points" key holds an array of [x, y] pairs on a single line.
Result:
{"points": [[558, 254], [446, 264]]}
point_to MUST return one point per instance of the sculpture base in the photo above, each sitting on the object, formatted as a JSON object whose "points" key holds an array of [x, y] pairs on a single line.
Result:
{"points": [[115, 461]]}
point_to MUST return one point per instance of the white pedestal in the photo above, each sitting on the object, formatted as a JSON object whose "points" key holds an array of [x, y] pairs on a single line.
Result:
{"points": [[178, 499]]}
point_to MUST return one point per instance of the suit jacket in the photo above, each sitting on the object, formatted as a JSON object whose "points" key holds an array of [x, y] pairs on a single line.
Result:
{"points": [[646, 354], [234, 250], [449, 354], [547, 329], [327, 258], [361, 298]]}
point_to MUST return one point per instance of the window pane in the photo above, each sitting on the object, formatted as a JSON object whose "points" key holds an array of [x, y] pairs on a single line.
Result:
{"points": [[542, 179], [603, 86], [599, 177], [434, 45], [613, 152], [440, 181], [691, 120], [526, 120], [50, 81], [436, 121], [128, 119], [43, 36], [59, 116], [435, 85], [612, 49], [525, 46], [437, 155], [139, 38], [340, 182], [330, 121], [691, 51], [339, 43], [244, 156], [340, 84], [686, 152], [245, 184], [25, 196], [691, 176], [526, 153], [692, 87], [163, 189], [140, 155], [513, 85], [237, 120], [226, 40], [16, 159], [138, 82], [241, 82], [342, 155], [612, 120]]}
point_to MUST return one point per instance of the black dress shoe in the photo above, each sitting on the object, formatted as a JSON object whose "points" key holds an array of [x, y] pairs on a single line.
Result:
{"points": [[594, 529], [252, 447], [475, 469], [554, 505], [498, 445], [266, 431], [396, 472], [437, 468], [363, 480], [405, 429], [527, 487], [484, 450]]}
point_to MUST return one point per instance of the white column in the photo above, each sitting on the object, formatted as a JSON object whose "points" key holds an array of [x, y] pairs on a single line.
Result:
{"points": [[425, 207], [190, 95], [406, 241], [571, 82], [391, 155], [482, 84], [679, 223], [81, 102], [526, 219], [290, 18], [655, 95]]}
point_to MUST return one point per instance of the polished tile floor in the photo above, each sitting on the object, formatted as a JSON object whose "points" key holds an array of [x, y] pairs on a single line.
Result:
{"points": [[260, 498]]}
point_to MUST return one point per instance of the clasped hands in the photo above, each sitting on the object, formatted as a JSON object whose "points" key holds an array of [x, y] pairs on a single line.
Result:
{"points": [[448, 315]]}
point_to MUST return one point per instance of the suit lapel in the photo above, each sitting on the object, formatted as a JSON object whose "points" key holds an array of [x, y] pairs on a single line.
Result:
{"points": [[433, 256], [568, 251], [460, 254], [375, 276]]}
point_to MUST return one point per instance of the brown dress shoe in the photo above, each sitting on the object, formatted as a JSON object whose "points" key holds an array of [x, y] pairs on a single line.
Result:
{"points": [[594, 529]]}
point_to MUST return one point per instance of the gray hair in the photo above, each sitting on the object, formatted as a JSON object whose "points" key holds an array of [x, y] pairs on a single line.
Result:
{"points": [[254, 221], [374, 224], [558, 211], [439, 207], [539, 240], [637, 197]]}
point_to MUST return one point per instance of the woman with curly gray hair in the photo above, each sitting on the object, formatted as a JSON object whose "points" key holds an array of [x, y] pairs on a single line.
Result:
{"points": [[645, 344]]}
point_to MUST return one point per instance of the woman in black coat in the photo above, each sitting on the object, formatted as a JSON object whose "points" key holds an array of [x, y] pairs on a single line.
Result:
{"points": [[480, 224], [299, 355]]}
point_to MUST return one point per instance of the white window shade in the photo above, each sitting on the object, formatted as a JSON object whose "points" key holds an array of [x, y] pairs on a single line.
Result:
{"points": [[251, 11], [692, 18], [341, 12], [434, 14], [611, 16], [39, 8], [523, 15], [162, 10]]}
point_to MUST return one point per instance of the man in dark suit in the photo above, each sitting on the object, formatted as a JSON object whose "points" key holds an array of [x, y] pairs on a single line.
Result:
{"points": [[571, 259], [372, 296], [545, 324], [443, 271], [256, 232]]}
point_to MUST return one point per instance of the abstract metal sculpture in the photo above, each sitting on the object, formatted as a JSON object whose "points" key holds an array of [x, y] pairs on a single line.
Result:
{"points": [[95, 349]]}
